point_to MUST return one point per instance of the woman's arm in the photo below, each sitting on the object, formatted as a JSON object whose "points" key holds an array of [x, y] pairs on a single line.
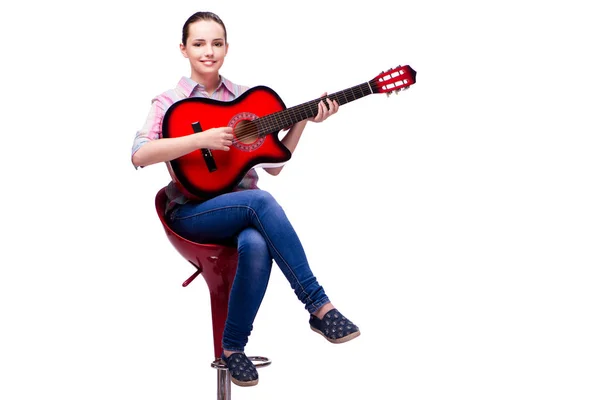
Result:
{"points": [[167, 149], [292, 138], [150, 148]]}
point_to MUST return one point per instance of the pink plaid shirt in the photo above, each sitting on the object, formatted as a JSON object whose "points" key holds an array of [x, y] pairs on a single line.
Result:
{"points": [[152, 129]]}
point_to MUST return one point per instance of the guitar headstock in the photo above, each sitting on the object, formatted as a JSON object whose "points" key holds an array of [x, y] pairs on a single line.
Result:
{"points": [[394, 80]]}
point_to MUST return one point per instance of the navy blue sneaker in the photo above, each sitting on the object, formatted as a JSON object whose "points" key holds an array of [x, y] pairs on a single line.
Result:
{"points": [[242, 370], [334, 327]]}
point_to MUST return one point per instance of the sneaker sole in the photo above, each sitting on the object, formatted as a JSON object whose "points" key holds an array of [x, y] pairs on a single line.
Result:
{"points": [[244, 383], [344, 339]]}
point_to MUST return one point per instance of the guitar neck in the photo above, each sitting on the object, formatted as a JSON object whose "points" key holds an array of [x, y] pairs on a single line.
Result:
{"points": [[288, 117]]}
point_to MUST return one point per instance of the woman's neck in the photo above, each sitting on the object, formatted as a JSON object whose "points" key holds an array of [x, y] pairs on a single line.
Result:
{"points": [[210, 82]]}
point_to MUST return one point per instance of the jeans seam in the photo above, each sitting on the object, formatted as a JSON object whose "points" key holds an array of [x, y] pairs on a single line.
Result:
{"points": [[279, 254], [316, 306], [205, 212]]}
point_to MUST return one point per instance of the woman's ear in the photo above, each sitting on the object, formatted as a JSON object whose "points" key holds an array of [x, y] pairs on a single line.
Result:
{"points": [[183, 50]]}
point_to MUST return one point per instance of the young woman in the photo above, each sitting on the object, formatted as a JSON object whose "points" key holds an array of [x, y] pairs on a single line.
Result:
{"points": [[247, 214]]}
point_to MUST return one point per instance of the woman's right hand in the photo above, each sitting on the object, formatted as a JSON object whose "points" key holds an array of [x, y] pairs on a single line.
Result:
{"points": [[216, 138]]}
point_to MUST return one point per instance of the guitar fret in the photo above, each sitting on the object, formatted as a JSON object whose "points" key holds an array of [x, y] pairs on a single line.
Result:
{"points": [[287, 121], [305, 113], [262, 125], [273, 122]]}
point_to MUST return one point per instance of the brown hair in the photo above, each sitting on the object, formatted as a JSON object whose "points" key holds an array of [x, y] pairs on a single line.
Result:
{"points": [[201, 16]]}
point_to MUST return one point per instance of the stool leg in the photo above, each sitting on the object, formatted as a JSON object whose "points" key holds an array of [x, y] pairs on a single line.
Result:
{"points": [[223, 384]]}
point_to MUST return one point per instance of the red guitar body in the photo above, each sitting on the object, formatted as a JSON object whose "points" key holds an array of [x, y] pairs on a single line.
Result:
{"points": [[257, 117], [192, 172]]}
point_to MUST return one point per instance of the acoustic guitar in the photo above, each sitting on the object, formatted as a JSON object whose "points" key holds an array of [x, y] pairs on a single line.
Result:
{"points": [[257, 116]]}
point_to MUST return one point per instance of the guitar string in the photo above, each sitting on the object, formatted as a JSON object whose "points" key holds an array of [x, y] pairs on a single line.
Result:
{"points": [[252, 131], [299, 110]]}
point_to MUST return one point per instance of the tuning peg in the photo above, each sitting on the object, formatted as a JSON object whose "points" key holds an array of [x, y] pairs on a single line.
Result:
{"points": [[388, 94]]}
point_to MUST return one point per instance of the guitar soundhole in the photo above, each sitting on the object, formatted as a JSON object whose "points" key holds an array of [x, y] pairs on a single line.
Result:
{"points": [[246, 133]]}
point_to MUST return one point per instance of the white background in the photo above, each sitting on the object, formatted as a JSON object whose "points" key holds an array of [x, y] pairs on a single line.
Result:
{"points": [[456, 223]]}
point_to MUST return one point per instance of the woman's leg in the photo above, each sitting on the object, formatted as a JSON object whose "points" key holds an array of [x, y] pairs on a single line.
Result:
{"points": [[248, 289], [227, 215]]}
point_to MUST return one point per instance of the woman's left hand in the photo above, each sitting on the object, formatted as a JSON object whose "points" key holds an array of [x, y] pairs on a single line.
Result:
{"points": [[325, 111]]}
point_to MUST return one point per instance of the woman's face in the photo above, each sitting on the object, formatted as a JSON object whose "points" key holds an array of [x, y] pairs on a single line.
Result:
{"points": [[206, 47]]}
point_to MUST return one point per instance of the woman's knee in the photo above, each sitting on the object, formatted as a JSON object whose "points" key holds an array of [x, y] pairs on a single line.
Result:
{"points": [[252, 241], [263, 199]]}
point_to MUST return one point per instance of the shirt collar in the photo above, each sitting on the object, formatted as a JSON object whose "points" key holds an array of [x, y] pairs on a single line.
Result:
{"points": [[187, 85]]}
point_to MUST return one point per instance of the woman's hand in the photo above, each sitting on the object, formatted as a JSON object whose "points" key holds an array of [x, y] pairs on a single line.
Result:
{"points": [[325, 111], [215, 138]]}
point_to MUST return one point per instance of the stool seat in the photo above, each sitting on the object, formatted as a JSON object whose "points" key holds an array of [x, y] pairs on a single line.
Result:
{"points": [[217, 263]]}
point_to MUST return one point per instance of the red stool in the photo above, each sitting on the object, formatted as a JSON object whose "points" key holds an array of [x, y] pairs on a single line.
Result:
{"points": [[217, 264]]}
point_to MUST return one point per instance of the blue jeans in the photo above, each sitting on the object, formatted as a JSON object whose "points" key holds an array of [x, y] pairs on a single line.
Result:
{"points": [[263, 234]]}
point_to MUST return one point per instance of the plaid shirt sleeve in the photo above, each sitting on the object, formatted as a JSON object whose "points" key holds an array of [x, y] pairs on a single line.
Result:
{"points": [[152, 128]]}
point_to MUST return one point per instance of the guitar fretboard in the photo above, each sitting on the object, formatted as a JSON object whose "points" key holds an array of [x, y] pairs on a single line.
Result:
{"points": [[288, 117]]}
